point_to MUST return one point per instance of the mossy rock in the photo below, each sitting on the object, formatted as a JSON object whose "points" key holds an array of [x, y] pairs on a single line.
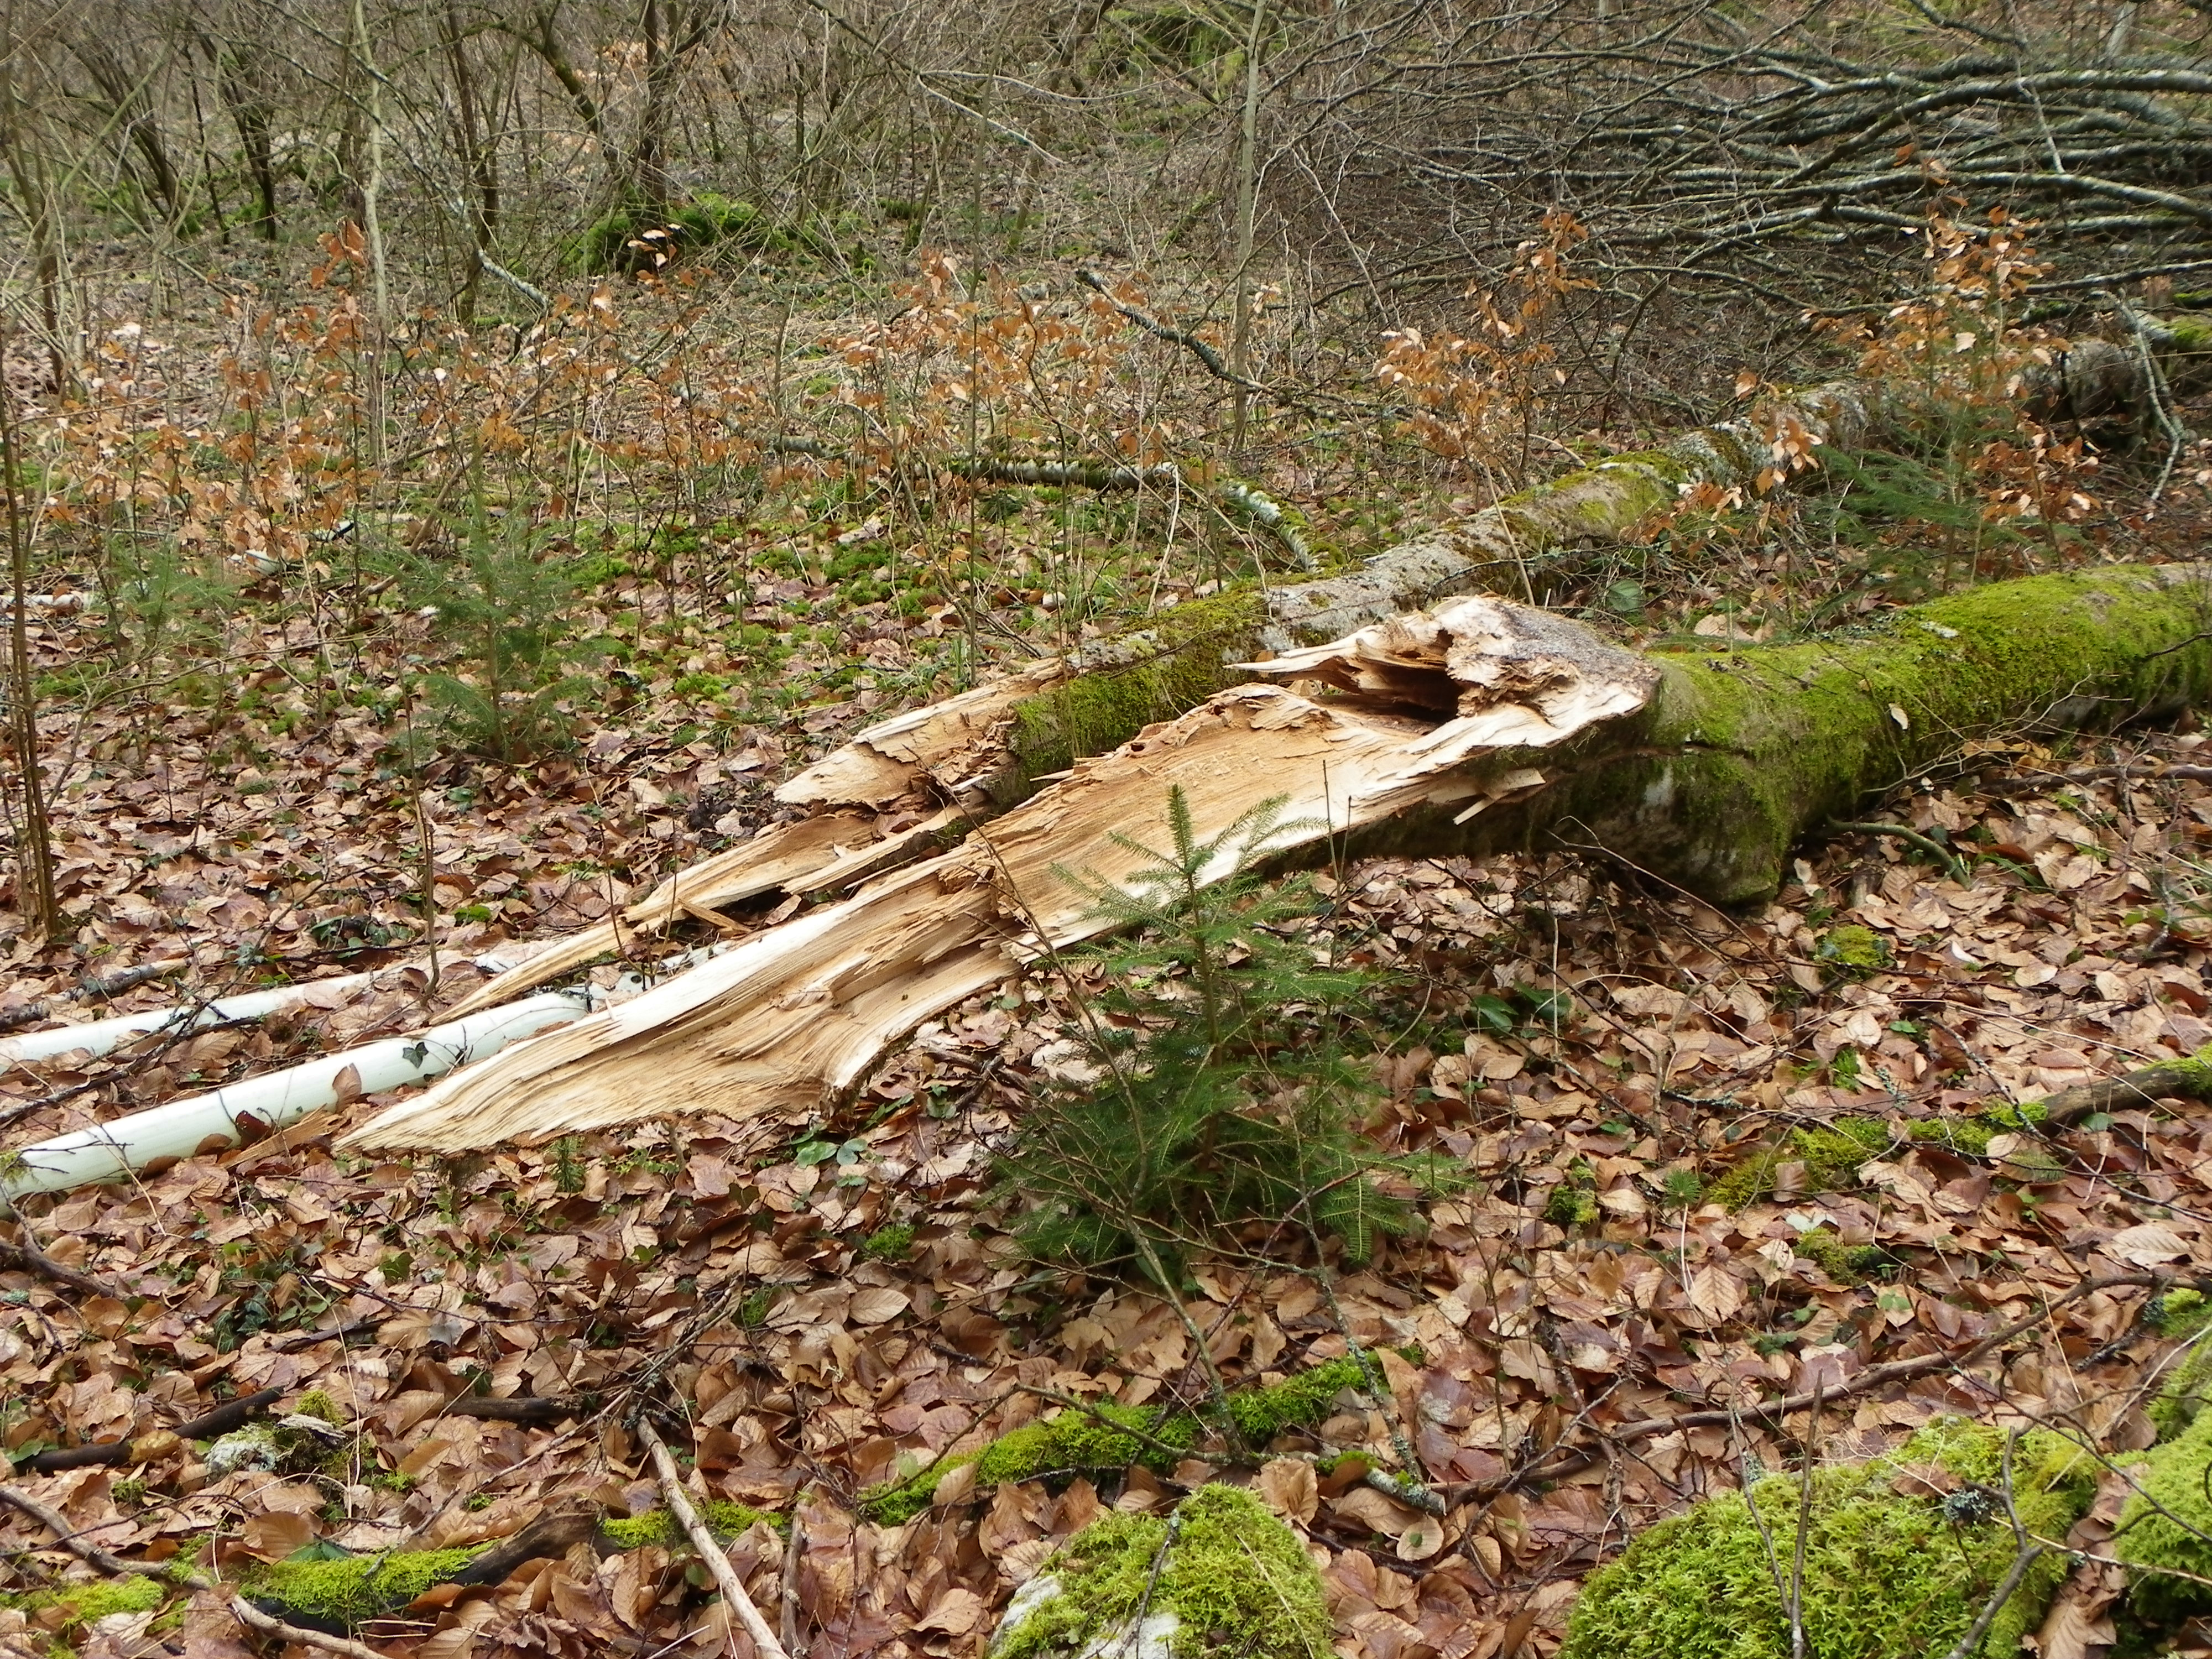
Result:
{"points": [[1887, 1572], [2166, 1523], [340, 1595], [1107, 1439], [1220, 1575]]}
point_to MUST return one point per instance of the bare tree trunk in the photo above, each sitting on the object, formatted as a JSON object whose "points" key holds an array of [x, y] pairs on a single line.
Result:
{"points": [[34, 852]]}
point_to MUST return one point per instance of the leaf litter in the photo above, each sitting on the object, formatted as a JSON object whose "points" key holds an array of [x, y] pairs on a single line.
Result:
{"points": [[821, 1303]]}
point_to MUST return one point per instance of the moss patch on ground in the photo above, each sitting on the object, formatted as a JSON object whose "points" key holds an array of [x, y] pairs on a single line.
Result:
{"points": [[1831, 1152], [1232, 1577], [1106, 1438], [1887, 1572], [344, 1593]]}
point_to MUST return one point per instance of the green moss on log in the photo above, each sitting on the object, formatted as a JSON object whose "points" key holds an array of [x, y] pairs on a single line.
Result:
{"points": [[1163, 670], [1107, 1438], [88, 1602], [346, 1593], [1886, 1572], [725, 1521], [1739, 753]]}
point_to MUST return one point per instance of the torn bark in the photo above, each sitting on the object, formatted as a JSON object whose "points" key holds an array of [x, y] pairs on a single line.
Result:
{"points": [[1481, 726]]}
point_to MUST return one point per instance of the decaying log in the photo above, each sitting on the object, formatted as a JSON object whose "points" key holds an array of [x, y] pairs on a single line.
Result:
{"points": [[1482, 725], [806, 1008]]}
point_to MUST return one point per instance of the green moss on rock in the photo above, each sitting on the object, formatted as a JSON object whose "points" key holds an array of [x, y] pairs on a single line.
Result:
{"points": [[344, 1593], [1221, 1575], [2167, 1524], [1886, 1572]]}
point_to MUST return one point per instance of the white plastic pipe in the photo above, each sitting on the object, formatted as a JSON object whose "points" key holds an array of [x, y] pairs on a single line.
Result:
{"points": [[180, 1128]]}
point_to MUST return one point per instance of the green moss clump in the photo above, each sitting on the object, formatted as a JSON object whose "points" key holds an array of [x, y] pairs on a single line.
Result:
{"points": [[1232, 1577], [343, 1595], [1847, 1264], [2165, 1523], [1855, 948], [1296, 1403], [89, 1602], [1570, 1206], [2181, 1397], [1885, 1573], [2180, 1314], [1831, 1152], [1969, 1135], [317, 1403], [725, 1521], [890, 1244]]}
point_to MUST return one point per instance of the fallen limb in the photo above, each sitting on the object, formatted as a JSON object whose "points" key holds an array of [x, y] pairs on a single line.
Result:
{"points": [[223, 1116], [84, 1549], [105, 1035], [1484, 727], [31, 1259], [231, 1414], [740, 1604], [270, 1625], [807, 1007], [2186, 1078]]}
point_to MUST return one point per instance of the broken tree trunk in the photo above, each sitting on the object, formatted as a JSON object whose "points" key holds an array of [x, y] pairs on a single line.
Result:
{"points": [[1480, 727]]}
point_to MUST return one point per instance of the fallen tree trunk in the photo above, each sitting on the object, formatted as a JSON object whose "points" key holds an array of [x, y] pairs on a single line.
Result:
{"points": [[1483, 726], [985, 749]]}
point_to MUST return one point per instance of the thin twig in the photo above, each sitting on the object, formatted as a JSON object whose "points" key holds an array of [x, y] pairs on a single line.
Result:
{"points": [[1153, 325], [717, 1560], [1950, 861], [275, 1628], [31, 1259]]}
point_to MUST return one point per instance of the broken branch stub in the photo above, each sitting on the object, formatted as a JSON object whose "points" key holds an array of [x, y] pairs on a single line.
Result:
{"points": [[805, 1010]]}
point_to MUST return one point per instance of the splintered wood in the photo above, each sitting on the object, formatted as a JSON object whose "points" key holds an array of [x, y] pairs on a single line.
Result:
{"points": [[803, 1011]]}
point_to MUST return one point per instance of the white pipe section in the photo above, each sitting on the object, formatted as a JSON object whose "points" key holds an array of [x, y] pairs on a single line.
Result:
{"points": [[180, 1130]]}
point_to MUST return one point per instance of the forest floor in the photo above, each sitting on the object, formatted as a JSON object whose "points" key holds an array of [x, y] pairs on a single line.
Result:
{"points": [[831, 1297]]}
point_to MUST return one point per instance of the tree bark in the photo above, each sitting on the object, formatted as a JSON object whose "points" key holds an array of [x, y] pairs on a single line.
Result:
{"points": [[1482, 727]]}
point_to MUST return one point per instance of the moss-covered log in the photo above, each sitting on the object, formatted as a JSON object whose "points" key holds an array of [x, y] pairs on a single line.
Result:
{"points": [[1156, 672], [1739, 753], [1483, 726]]}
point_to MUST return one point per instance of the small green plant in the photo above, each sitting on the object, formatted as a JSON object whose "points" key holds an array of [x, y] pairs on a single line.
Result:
{"points": [[500, 612], [1225, 1094]]}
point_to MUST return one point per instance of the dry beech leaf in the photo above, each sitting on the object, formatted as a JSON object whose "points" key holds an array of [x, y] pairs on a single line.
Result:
{"points": [[1286, 1485], [877, 1303], [1715, 1292], [955, 1613], [1422, 1539], [2147, 1245], [1376, 1512]]}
